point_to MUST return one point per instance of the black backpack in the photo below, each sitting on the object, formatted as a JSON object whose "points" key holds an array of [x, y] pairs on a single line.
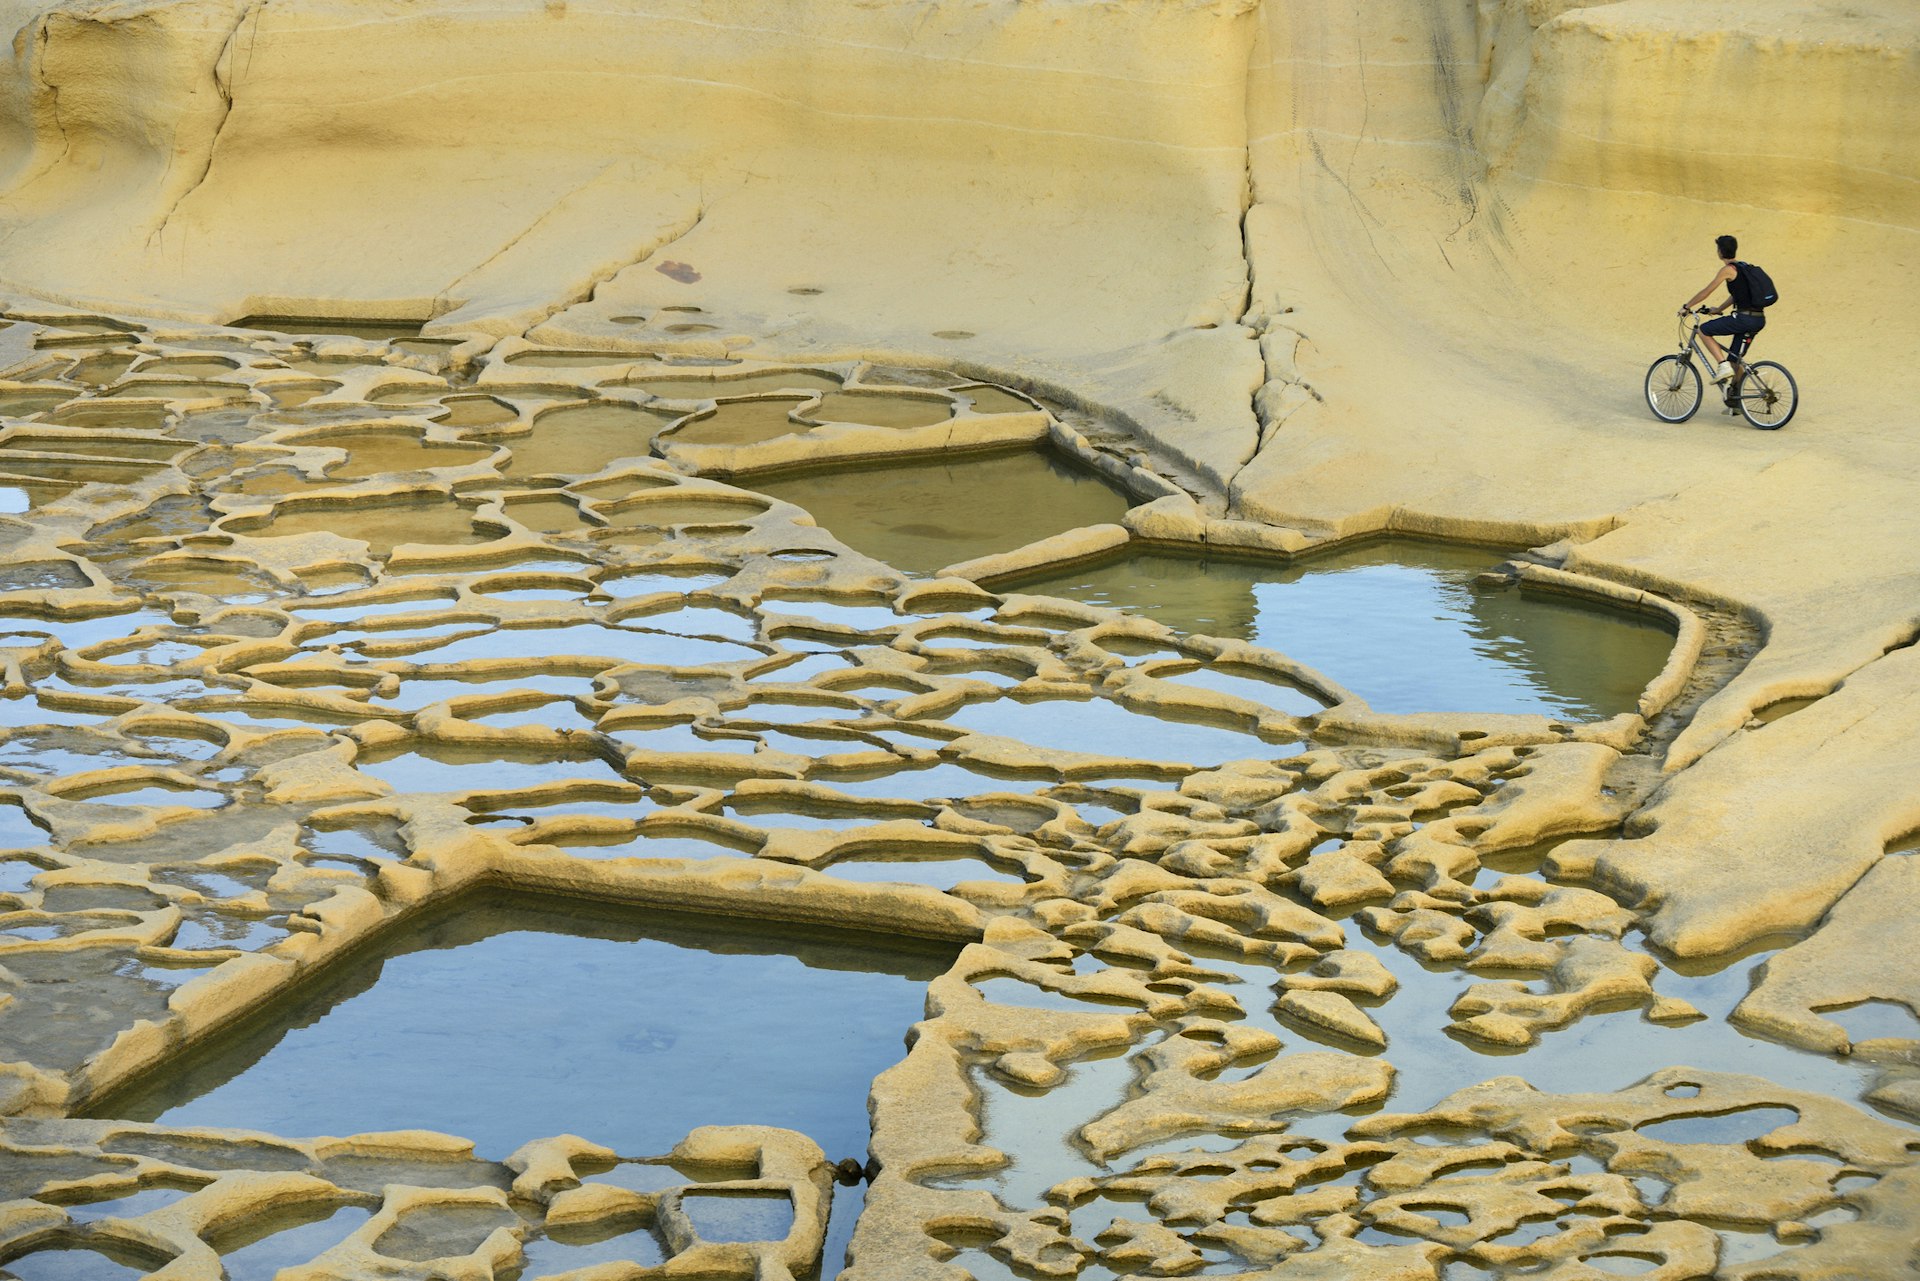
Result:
{"points": [[1759, 287]]}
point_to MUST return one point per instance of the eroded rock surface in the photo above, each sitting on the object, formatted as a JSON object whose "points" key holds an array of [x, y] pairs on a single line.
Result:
{"points": [[278, 688]]}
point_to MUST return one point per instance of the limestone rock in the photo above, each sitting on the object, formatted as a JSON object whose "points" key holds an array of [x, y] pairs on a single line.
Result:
{"points": [[1331, 1012]]}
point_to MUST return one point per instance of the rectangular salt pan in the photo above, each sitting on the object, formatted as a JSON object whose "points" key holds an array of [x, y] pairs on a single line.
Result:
{"points": [[627, 1028]]}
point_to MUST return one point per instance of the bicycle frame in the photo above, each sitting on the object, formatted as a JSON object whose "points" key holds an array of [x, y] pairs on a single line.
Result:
{"points": [[1763, 391], [1690, 345]]}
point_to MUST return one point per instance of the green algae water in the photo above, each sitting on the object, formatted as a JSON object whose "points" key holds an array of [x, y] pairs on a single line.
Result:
{"points": [[505, 1022], [920, 517], [372, 330], [1399, 623]]}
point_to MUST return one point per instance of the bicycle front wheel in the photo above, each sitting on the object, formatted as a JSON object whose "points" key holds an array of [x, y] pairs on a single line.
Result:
{"points": [[1768, 396], [1673, 389]]}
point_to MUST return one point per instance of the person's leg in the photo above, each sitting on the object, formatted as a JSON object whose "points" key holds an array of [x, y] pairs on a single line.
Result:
{"points": [[1731, 387], [1741, 330], [1723, 370]]}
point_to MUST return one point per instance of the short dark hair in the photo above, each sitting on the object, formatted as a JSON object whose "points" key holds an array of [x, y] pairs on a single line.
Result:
{"points": [[1727, 246]]}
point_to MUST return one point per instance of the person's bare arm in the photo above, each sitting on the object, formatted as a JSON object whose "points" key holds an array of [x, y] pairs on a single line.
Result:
{"points": [[1720, 278]]}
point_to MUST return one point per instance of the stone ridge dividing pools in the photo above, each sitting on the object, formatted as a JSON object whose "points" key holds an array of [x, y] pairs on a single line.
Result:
{"points": [[422, 1196]]}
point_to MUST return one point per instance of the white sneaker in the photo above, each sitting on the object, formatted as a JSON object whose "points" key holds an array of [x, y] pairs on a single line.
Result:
{"points": [[1723, 373]]}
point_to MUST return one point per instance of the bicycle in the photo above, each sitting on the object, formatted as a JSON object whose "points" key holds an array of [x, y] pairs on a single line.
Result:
{"points": [[1763, 392]]}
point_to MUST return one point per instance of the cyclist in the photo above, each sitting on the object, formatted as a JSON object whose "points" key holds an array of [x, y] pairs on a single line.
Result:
{"points": [[1747, 318]]}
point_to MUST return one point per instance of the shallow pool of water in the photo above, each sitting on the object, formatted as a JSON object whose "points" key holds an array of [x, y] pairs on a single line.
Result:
{"points": [[100, 1261], [79, 633], [447, 768], [145, 1201], [928, 782], [805, 669], [15, 499], [780, 711], [987, 399], [649, 845], [559, 714], [648, 582], [20, 404], [746, 385], [408, 393], [769, 814], [109, 414], [81, 471], [1244, 683], [286, 1239], [1098, 726], [384, 523], [667, 510], [594, 640], [578, 440], [565, 1249], [416, 694], [1601, 1051], [322, 612], [743, 422], [100, 370], [159, 389], [257, 717], [680, 737], [938, 873], [882, 409], [1034, 1127], [152, 795], [1399, 623], [547, 514], [697, 620], [1742, 1125], [474, 411], [628, 1028], [372, 330], [920, 517], [854, 614], [721, 1216], [375, 453], [1875, 1020], [94, 447]]}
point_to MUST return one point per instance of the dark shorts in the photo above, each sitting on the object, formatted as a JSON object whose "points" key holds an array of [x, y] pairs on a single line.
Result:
{"points": [[1742, 327]]}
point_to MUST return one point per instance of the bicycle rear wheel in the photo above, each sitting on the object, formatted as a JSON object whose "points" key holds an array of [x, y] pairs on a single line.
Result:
{"points": [[1673, 389], [1768, 396]]}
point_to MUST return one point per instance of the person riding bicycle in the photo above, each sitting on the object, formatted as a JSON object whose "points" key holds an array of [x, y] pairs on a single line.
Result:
{"points": [[1747, 318]]}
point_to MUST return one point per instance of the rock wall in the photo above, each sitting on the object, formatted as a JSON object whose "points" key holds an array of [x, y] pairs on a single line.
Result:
{"points": [[356, 155], [205, 156], [1776, 106], [1048, 189]]}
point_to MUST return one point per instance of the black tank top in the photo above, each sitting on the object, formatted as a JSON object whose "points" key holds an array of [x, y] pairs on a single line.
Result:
{"points": [[1740, 291]]}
